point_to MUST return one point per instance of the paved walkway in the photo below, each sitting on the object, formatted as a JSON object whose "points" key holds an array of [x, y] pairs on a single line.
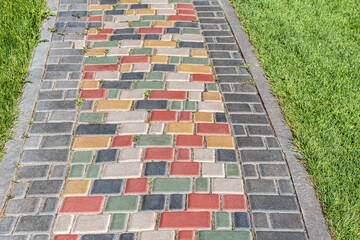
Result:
{"points": [[148, 126]]}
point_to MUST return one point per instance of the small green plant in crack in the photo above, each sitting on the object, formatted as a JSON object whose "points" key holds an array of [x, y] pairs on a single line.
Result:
{"points": [[135, 138], [16, 164], [14, 180], [101, 81], [211, 65], [10, 196], [77, 16], [43, 40], [54, 29], [25, 135], [84, 50], [151, 181], [130, 23], [195, 20], [148, 110], [63, 33], [106, 52], [80, 101], [216, 79], [97, 29], [251, 82], [31, 121], [147, 94]]}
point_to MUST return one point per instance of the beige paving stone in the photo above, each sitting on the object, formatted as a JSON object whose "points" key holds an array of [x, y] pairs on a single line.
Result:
{"points": [[204, 155], [159, 59], [86, 224], [212, 97], [126, 68], [130, 155], [131, 43], [199, 53], [114, 105], [182, 52], [129, 1], [156, 128], [130, 12], [79, 44], [210, 107], [92, 31], [63, 224], [180, 128], [122, 170], [188, 86], [213, 170], [142, 221], [158, 235], [224, 186], [89, 85], [100, 7], [194, 96], [159, 44], [166, 12], [164, 24], [182, 77], [204, 117], [220, 142], [188, 38], [113, 52], [141, 67], [77, 188], [146, 12], [195, 69], [132, 95], [127, 117], [133, 128], [107, 76], [91, 142], [96, 52]]}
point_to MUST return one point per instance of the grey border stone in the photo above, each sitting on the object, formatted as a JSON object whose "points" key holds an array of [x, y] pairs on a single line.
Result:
{"points": [[306, 195]]}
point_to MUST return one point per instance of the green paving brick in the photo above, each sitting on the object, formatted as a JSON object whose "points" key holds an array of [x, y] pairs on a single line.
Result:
{"points": [[222, 220], [191, 31], [96, 13], [141, 24], [77, 171], [154, 18], [233, 171], [212, 87], [82, 157], [149, 85], [190, 106], [91, 117], [93, 171], [195, 61], [154, 141], [174, 60], [155, 76], [110, 44], [142, 51], [122, 204], [113, 94], [118, 222], [224, 235], [176, 106], [121, 6], [172, 185], [202, 185], [100, 60]]}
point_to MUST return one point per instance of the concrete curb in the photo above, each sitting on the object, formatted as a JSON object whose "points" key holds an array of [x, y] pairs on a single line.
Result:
{"points": [[308, 201]]}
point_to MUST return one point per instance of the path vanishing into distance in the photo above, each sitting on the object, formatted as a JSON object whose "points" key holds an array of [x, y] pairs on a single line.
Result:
{"points": [[149, 120]]}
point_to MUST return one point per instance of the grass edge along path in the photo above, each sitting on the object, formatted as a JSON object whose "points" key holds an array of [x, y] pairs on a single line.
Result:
{"points": [[20, 22], [310, 53]]}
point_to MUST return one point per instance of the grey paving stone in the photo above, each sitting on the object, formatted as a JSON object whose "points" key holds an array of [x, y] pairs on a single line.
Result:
{"points": [[71, 59], [45, 188], [49, 205], [58, 172], [59, 141], [266, 202], [67, 84], [33, 172], [258, 108], [261, 156], [273, 170], [127, 236], [225, 40], [151, 105], [50, 128], [225, 88], [244, 88], [15, 237], [220, 55], [153, 203], [39, 117], [99, 237], [164, 68], [269, 235], [285, 187], [272, 142], [107, 187], [88, 105], [176, 202], [249, 171], [34, 224], [45, 156], [256, 186], [239, 130], [286, 221], [155, 169], [75, 76], [96, 129], [260, 130], [56, 105], [19, 189], [241, 98], [241, 220], [234, 79], [212, 20], [152, 37], [207, 9], [71, 94], [7, 224], [193, 45], [108, 155], [62, 116], [139, 76], [41, 237], [33, 142], [260, 220], [63, 67], [125, 36], [250, 142], [225, 70], [45, 95], [116, 85], [55, 75], [221, 118], [187, 24], [237, 107], [23, 206], [226, 156]]}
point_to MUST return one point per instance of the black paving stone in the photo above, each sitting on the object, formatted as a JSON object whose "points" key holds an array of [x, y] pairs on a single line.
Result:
{"points": [[226, 155], [221, 118], [212, 20], [33, 172], [152, 37], [276, 235], [108, 155], [151, 104], [139, 6], [219, 46], [96, 129], [114, 12], [260, 186], [116, 85], [94, 25], [125, 37], [273, 170], [266, 202], [238, 107], [124, 31], [225, 70], [258, 108], [285, 187], [205, 15], [286, 221], [260, 220], [239, 130], [99, 237], [241, 98], [209, 27], [261, 156], [176, 202], [221, 62], [127, 236], [34, 224], [195, 45], [225, 88], [225, 40], [260, 130], [248, 119], [56, 105], [135, 76], [155, 169], [50, 205], [220, 55], [241, 220], [272, 142], [234, 79], [153, 203], [108, 2], [250, 142], [172, 31], [107, 186], [45, 187], [249, 170], [187, 24], [164, 68]]}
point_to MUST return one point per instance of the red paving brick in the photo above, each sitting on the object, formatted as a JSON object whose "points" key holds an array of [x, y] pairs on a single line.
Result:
{"points": [[183, 154], [212, 129], [185, 116], [208, 78], [186, 235], [185, 220], [203, 202], [134, 59], [184, 6], [82, 205], [185, 169], [95, 19], [163, 116], [97, 37], [160, 154], [187, 12], [168, 95], [150, 31], [108, 31], [102, 68], [178, 18], [93, 94], [89, 76], [234, 203], [122, 142], [190, 141], [136, 186], [67, 237]]}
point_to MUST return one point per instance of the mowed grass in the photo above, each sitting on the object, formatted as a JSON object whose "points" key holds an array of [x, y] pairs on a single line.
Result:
{"points": [[20, 21], [310, 50]]}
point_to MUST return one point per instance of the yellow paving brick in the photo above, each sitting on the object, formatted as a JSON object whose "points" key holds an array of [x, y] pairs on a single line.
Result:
{"points": [[89, 85], [220, 142], [77, 188], [146, 12], [100, 7], [91, 142], [159, 44], [92, 31], [163, 24], [199, 53], [159, 59], [129, 1], [195, 69], [126, 68], [204, 117], [180, 128], [96, 52], [114, 105], [130, 12], [212, 97]]}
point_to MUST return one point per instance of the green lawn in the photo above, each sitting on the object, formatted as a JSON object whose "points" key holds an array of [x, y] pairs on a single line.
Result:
{"points": [[310, 50], [20, 21]]}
